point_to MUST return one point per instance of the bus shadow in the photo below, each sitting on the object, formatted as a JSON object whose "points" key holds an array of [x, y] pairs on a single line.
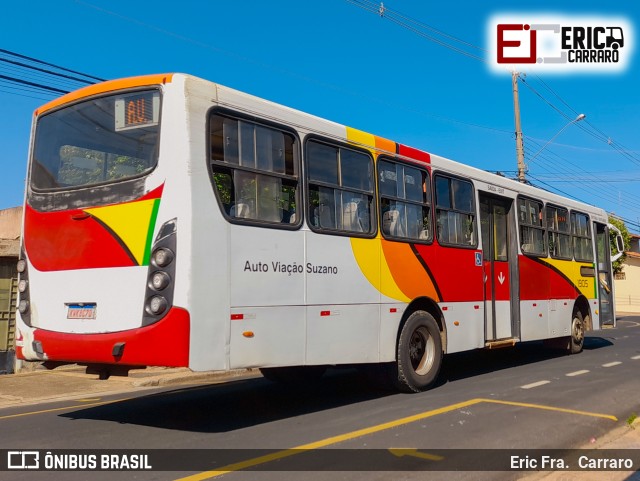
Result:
{"points": [[474, 363], [233, 405], [238, 404]]}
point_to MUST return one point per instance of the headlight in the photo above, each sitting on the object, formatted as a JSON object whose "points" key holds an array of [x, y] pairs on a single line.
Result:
{"points": [[21, 265], [22, 285]]}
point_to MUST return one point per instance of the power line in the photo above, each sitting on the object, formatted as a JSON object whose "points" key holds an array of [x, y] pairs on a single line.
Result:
{"points": [[404, 21], [23, 75], [47, 71], [64, 69], [567, 170], [628, 222], [590, 130], [33, 84], [369, 7]]}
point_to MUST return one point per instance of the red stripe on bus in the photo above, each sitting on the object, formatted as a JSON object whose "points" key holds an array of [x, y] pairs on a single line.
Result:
{"points": [[73, 239], [414, 154], [165, 343]]}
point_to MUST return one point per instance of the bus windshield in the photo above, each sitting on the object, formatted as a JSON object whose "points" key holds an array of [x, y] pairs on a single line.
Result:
{"points": [[98, 141]]}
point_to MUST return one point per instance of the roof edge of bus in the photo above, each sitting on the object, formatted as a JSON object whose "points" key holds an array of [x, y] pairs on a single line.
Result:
{"points": [[108, 86]]}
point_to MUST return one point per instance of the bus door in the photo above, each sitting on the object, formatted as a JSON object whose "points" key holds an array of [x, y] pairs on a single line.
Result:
{"points": [[605, 286], [499, 249]]}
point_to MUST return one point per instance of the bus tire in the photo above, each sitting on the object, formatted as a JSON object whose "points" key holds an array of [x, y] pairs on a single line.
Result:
{"points": [[293, 374], [576, 340], [419, 354]]}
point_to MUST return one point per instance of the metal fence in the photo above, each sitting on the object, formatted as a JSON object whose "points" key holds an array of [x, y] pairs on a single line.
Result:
{"points": [[8, 331]]}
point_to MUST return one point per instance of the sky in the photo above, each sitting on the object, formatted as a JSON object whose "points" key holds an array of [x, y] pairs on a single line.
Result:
{"points": [[381, 74]]}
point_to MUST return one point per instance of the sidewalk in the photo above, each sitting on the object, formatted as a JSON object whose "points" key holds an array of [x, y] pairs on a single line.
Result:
{"points": [[622, 437], [71, 382]]}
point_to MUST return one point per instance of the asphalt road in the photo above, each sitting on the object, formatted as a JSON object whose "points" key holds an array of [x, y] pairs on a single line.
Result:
{"points": [[525, 398]]}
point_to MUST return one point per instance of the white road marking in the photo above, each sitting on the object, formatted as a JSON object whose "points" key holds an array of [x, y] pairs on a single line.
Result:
{"points": [[534, 384], [611, 364], [635, 357], [577, 373]]}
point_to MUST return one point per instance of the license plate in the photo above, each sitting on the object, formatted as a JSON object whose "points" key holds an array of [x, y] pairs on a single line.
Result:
{"points": [[81, 311]]}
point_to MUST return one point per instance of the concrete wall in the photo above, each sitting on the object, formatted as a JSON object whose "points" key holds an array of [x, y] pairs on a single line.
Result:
{"points": [[10, 222], [628, 289]]}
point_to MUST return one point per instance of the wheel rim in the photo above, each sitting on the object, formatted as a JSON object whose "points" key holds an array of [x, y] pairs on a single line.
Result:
{"points": [[578, 330], [421, 351]]}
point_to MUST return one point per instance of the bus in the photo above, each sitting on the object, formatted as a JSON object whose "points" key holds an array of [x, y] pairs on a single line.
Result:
{"points": [[172, 221]]}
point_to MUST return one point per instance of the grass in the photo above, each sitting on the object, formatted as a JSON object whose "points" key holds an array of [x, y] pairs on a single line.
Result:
{"points": [[631, 419]]}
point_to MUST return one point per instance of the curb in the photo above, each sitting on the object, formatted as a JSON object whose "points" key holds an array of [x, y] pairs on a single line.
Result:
{"points": [[194, 377]]}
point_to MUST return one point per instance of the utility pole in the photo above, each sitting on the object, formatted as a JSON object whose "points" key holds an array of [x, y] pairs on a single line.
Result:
{"points": [[519, 144]]}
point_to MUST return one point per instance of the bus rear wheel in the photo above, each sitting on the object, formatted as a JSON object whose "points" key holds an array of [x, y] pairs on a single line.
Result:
{"points": [[419, 354], [576, 340]]}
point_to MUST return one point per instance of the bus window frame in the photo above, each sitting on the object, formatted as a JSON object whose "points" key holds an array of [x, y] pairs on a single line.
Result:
{"points": [[550, 231], [307, 194], [575, 237], [474, 211], [234, 115], [543, 227], [429, 200]]}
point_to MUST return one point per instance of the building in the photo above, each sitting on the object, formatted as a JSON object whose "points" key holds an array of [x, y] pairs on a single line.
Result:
{"points": [[10, 228], [627, 283]]}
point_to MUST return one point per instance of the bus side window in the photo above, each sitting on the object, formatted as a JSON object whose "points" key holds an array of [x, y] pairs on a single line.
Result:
{"points": [[455, 212], [340, 184], [532, 231], [559, 233], [255, 171], [405, 201], [582, 241]]}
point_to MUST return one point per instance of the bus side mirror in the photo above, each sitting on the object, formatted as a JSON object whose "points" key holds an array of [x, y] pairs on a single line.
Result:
{"points": [[619, 243], [619, 246]]}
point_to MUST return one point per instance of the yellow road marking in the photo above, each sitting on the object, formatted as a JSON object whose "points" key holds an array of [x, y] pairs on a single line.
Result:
{"points": [[249, 463], [551, 408], [89, 400], [399, 452]]}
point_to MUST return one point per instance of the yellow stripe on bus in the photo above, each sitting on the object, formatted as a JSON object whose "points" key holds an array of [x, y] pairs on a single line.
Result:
{"points": [[130, 222]]}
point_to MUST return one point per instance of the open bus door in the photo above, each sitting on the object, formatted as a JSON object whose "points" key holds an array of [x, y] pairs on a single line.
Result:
{"points": [[605, 278], [500, 261]]}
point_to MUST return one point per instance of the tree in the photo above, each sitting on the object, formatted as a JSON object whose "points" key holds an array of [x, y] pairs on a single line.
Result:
{"points": [[618, 265]]}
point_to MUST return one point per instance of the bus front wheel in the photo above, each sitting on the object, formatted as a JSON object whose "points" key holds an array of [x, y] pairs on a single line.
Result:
{"points": [[419, 354]]}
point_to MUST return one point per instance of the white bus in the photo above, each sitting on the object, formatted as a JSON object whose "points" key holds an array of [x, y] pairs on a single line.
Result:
{"points": [[172, 221]]}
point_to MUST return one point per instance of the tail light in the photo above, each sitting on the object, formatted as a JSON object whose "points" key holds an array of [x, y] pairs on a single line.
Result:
{"points": [[161, 274], [24, 298]]}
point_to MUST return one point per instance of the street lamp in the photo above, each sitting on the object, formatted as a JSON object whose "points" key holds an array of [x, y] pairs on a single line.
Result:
{"points": [[577, 119]]}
